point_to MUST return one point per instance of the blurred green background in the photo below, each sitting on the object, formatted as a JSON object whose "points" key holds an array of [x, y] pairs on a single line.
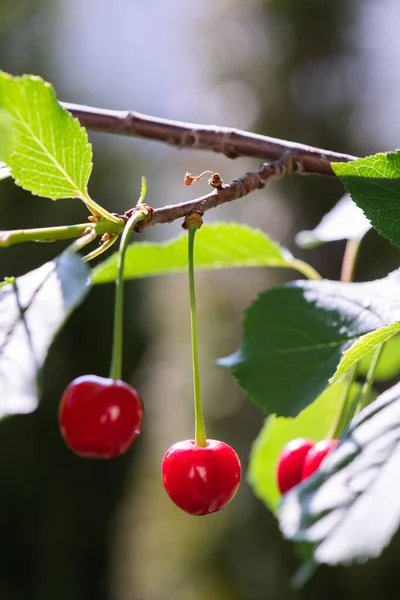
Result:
{"points": [[317, 72]]}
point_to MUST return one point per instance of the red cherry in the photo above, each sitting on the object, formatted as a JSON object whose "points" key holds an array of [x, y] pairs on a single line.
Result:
{"points": [[316, 455], [290, 463], [99, 417], [201, 480]]}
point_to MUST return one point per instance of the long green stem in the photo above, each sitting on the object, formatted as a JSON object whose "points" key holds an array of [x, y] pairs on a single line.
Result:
{"points": [[304, 268], [346, 408], [350, 260], [369, 380], [51, 234], [116, 357], [200, 432]]}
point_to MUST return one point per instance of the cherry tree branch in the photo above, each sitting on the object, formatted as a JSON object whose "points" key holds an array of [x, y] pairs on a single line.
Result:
{"points": [[253, 180], [222, 193], [231, 142], [285, 158]]}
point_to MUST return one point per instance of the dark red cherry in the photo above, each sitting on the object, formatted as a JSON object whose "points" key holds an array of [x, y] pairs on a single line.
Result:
{"points": [[99, 417], [316, 455], [201, 480], [290, 463]]}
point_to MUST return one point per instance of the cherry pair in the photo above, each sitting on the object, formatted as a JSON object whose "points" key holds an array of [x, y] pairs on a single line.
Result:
{"points": [[101, 418], [299, 459]]}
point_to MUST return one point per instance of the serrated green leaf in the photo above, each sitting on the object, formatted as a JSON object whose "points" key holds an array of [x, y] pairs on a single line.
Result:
{"points": [[363, 346], [388, 365], [350, 509], [32, 310], [218, 246], [345, 221], [294, 335], [374, 185], [48, 151], [313, 423]]}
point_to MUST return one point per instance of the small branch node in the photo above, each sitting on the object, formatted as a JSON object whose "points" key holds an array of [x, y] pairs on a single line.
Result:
{"points": [[88, 230], [216, 181], [105, 238], [193, 219]]}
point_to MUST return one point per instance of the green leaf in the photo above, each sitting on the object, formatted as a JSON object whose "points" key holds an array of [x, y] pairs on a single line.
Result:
{"points": [[32, 310], [5, 132], [294, 335], [388, 365], [48, 151], [350, 509], [218, 246], [374, 185], [345, 221], [313, 423], [363, 346]]}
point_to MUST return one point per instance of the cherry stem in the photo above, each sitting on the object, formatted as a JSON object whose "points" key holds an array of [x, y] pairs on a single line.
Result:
{"points": [[349, 260], [116, 357], [369, 380], [200, 432], [347, 406]]}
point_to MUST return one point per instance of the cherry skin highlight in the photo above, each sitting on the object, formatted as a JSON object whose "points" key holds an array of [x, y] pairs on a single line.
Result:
{"points": [[100, 417], [290, 463], [201, 480], [316, 455]]}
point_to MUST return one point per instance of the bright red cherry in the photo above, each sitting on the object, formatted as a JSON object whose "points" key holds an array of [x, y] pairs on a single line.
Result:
{"points": [[99, 417], [290, 463], [201, 480], [316, 455]]}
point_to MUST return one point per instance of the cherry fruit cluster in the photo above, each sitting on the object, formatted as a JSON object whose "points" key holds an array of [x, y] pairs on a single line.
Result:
{"points": [[299, 459], [102, 417]]}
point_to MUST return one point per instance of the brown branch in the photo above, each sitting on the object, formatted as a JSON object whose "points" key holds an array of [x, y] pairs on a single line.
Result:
{"points": [[253, 180], [231, 142]]}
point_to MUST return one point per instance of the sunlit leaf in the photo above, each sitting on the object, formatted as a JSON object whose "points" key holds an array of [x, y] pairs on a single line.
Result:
{"points": [[48, 151], [32, 310], [388, 365], [363, 346], [350, 509], [218, 246], [345, 221]]}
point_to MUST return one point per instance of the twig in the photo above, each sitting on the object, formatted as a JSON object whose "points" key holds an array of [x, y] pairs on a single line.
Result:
{"points": [[51, 234], [231, 142], [237, 188], [253, 180]]}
